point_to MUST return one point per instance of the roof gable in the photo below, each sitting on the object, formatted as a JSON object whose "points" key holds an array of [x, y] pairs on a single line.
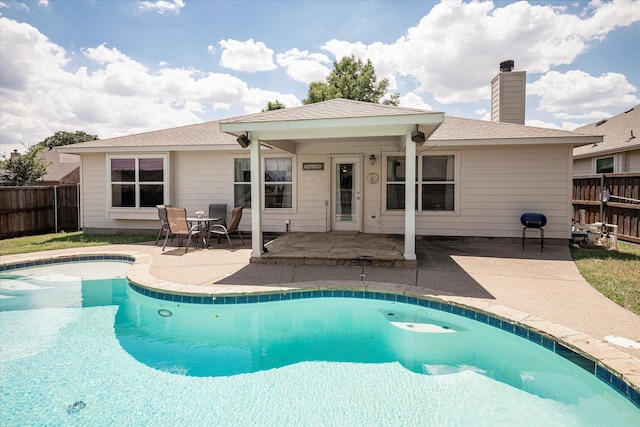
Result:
{"points": [[337, 108]]}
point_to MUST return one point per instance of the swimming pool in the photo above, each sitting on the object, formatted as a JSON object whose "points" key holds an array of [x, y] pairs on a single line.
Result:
{"points": [[304, 358]]}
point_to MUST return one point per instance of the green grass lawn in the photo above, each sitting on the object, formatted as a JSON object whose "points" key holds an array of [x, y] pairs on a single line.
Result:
{"points": [[613, 272], [47, 242]]}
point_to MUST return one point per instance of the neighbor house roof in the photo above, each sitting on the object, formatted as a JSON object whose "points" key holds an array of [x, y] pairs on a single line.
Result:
{"points": [[620, 133], [61, 165]]}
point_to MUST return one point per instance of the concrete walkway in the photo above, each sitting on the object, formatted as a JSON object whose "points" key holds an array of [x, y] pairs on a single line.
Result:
{"points": [[542, 290]]}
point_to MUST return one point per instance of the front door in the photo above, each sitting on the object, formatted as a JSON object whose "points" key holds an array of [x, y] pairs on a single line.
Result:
{"points": [[346, 212]]}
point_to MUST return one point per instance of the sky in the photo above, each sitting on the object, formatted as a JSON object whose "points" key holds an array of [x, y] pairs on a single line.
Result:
{"points": [[112, 68]]}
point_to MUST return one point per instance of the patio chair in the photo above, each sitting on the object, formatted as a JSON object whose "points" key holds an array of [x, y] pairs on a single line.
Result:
{"points": [[221, 230], [218, 211], [164, 226], [178, 225]]}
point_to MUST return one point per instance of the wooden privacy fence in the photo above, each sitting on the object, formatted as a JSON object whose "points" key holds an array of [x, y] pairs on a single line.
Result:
{"points": [[613, 198], [35, 210]]}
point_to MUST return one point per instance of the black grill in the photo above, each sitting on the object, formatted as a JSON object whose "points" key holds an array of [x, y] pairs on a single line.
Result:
{"points": [[533, 220]]}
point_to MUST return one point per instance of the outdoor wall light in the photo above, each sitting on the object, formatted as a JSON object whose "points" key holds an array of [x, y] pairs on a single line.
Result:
{"points": [[372, 159], [417, 137], [244, 141]]}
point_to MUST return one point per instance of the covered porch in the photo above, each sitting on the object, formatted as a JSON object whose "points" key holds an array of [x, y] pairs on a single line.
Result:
{"points": [[336, 249]]}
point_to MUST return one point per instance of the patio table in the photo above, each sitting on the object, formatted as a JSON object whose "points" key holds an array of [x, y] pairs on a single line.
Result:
{"points": [[203, 224]]}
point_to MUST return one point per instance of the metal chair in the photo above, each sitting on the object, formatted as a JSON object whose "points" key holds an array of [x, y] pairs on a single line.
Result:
{"points": [[178, 225], [164, 226], [221, 230], [218, 211]]}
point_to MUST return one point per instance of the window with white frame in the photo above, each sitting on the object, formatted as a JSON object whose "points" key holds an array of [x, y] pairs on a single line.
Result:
{"points": [[604, 165], [278, 183], [137, 181], [242, 183], [435, 186], [438, 184]]}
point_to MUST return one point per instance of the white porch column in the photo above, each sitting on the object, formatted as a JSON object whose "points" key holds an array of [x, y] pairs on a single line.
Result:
{"points": [[410, 199], [256, 199]]}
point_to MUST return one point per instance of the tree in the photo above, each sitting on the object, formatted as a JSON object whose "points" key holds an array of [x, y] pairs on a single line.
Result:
{"points": [[25, 169], [61, 138], [277, 105], [30, 168], [351, 79]]}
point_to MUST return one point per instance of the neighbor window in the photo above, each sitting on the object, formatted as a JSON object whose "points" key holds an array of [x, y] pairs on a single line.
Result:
{"points": [[435, 186], [604, 165], [137, 182], [278, 183]]}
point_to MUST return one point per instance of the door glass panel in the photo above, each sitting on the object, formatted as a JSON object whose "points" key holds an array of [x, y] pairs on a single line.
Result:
{"points": [[345, 196]]}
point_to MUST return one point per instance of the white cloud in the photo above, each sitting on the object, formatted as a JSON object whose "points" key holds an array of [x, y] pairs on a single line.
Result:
{"points": [[456, 49], [412, 100], [303, 66], [248, 56], [41, 94], [579, 95], [541, 124], [162, 6]]}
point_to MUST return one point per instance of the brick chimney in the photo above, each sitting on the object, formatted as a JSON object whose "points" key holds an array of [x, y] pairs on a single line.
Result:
{"points": [[508, 94], [15, 154]]}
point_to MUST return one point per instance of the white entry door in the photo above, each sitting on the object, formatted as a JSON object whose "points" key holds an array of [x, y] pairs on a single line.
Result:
{"points": [[346, 194]]}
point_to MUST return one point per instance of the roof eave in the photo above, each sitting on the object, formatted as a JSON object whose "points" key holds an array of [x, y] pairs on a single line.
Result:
{"points": [[149, 149], [565, 140], [336, 127]]}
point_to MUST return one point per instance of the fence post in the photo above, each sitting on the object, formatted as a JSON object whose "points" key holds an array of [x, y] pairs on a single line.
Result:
{"points": [[55, 207], [78, 203], [602, 199]]}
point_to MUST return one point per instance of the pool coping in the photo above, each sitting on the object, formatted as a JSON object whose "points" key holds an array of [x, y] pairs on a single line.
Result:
{"points": [[616, 368]]}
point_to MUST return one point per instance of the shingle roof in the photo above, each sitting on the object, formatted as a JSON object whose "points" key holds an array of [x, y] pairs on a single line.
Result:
{"points": [[457, 128], [61, 164], [616, 132], [200, 134], [208, 133], [333, 109]]}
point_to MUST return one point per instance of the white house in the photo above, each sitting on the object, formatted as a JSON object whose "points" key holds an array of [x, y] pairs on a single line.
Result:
{"points": [[338, 165]]}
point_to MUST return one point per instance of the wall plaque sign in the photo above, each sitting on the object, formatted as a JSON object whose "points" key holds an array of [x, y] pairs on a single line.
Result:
{"points": [[313, 166]]}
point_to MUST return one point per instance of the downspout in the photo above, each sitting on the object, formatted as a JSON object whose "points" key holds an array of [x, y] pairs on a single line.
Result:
{"points": [[410, 199]]}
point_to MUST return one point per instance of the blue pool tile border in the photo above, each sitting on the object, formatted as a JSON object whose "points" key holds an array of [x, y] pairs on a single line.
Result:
{"points": [[550, 344], [71, 258]]}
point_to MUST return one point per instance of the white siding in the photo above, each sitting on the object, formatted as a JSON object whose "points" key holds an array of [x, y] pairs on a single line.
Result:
{"points": [[496, 186], [634, 161], [583, 166]]}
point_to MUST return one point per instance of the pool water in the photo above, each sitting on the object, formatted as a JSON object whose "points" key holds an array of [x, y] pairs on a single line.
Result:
{"points": [[115, 357]]}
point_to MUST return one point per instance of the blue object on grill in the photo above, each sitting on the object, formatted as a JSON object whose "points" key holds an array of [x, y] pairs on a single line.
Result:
{"points": [[533, 220]]}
